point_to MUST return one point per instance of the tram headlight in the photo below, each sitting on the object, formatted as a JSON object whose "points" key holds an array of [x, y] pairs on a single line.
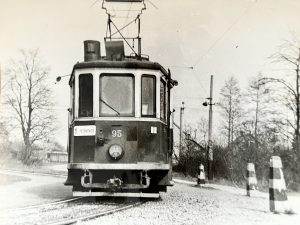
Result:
{"points": [[115, 151]]}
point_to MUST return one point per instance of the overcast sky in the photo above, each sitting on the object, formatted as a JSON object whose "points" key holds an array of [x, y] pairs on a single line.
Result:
{"points": [[218, 37]]}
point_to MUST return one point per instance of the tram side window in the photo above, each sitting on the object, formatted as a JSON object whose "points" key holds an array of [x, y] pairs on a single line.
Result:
{"points": [[73, 100], [85, 95], [162, 100], [148, 95]]}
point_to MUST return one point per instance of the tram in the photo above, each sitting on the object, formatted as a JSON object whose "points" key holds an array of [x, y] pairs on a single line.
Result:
{"points": [[120, 136]]}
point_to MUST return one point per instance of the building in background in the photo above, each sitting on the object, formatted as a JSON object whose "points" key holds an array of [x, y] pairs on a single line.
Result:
{"points": [[57, 156]]}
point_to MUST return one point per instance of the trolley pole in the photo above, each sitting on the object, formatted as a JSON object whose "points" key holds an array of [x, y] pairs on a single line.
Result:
{"points": [[180, 128], [209, 144]]}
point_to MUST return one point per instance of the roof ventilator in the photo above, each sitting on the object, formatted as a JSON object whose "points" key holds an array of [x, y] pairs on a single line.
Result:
{"points": [[91, 50], [114, 50]]}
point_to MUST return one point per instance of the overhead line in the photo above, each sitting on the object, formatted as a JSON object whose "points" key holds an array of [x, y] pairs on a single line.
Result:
{"points": [[94, 3], [220, 38], [152, 4], [225, 32]]}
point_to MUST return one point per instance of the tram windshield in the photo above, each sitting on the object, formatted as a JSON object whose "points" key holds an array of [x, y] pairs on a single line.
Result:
{"points": [[116, 95]]}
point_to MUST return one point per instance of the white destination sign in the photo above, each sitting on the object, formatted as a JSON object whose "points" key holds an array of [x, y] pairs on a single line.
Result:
{"points": [[88, 130]]}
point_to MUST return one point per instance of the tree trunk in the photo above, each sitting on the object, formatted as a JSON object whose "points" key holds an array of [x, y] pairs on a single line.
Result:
{"points": [[256, 126], [297, 121]]}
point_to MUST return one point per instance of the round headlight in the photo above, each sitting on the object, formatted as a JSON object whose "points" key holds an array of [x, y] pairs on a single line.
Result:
{"points": [[115, 151]]}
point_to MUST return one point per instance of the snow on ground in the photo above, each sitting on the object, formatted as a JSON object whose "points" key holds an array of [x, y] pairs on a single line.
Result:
{"points": [[215, 204], [20, 190], [182, 204], [292, 203], [56, 167]]}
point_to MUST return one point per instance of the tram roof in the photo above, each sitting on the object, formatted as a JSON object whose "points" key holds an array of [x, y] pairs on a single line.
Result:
{"points": [[126, 63]]}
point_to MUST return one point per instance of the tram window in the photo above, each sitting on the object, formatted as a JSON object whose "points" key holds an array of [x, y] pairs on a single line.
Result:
{"points": [[73, 100], [85, 95], [116, 95], [162, 100], [167, 108], [148, 95]]}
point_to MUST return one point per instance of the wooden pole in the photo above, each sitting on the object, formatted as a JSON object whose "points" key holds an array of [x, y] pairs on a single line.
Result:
{"points": [[209, 144]]}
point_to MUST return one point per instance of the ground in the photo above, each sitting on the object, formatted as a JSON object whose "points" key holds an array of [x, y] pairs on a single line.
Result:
{"points": [[186, 204], [182, 204], [24, 190]]}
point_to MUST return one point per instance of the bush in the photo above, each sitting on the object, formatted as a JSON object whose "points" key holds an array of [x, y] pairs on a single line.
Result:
{"points": [[232, 164], [193, 155]]}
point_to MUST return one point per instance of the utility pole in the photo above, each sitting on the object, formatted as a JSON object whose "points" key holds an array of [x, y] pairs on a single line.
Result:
{"points": [[209, 153], [180, 128], [172, 114], [172, 128], [209, 144]]}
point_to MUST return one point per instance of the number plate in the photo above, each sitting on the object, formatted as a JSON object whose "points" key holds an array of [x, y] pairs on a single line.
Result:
{"points": [[116, 133], [89, 130]]}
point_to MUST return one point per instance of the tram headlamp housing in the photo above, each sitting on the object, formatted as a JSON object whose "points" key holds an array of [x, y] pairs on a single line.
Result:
{"points": [[115, 151]]}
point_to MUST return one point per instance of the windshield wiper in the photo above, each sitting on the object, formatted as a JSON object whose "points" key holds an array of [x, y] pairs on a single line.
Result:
{"points": [[109, 106]]}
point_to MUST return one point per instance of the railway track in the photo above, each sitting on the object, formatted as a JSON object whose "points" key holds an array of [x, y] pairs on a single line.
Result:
{"points": [[97, 214], [69, 211], [44, 205], [66, 211]]}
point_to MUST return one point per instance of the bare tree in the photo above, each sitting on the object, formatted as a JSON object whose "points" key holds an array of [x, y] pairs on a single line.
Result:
{"points": [[260, 115], [202, 129], [230, 104], [4, 142], [288, 56], [259, 133], [231, 108], [29, 97]]}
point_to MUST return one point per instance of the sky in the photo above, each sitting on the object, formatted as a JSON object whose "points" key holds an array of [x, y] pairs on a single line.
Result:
{"points": [[217, 37]]}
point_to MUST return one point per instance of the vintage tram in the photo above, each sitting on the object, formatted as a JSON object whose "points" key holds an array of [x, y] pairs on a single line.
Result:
{"points": [[120, 136], [120, 139]]}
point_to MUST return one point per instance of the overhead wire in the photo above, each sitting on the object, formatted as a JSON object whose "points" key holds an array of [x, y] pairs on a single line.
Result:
{"points": [[239, 18], [200, 82], [251, 5], [94, 3], [152, 4]]}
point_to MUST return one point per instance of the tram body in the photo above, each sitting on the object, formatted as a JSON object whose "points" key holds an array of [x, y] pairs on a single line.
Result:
{"points": [[120, 138]]}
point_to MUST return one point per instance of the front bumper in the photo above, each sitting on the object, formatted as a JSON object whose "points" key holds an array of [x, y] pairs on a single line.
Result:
{"points": [[120, 166]]}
